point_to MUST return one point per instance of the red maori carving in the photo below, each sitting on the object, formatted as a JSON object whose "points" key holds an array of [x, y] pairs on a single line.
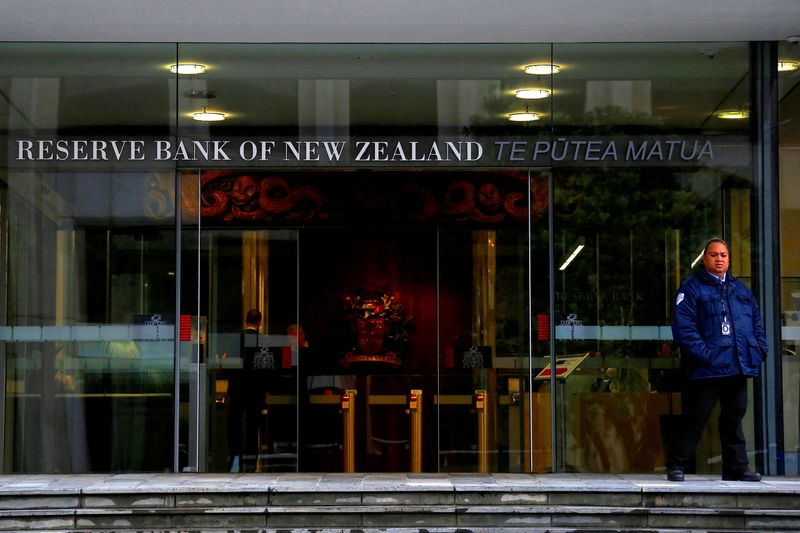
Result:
{"points": [[489, 207], [459, 199], [213, 203], [306, 203], [243, 190], [274, 195], [247, 213], [516, 205]]}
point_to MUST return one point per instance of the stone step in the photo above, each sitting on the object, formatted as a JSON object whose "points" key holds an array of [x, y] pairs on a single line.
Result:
{"points": [[356, 504], [408, 516]]}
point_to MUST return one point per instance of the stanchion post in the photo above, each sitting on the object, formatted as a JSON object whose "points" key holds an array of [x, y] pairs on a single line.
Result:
{"points": [[415, 411], [481, 400], [349, 429]]}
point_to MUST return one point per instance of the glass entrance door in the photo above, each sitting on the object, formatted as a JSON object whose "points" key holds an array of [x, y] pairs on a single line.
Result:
{"points": [[345, 326]]}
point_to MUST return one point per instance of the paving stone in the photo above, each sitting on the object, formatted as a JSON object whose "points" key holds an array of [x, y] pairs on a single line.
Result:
{"points": [[772, 523], [203, 499], [410, 519], [409, 498], [219, 520], [621, 499], [698, 520], [120, 520], [706, 501], [596, 518], [768, 501], [500, 498], [313, 520], [39, 502], [34, 523], [315, 498], [504, 520], [128, 500]]}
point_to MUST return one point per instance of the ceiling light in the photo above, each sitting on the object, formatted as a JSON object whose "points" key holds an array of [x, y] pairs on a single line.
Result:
{"points": [[523, 116], [788, 66], [532, 94], [208, 116], [542, 69], [736, 114], [187, 68]]}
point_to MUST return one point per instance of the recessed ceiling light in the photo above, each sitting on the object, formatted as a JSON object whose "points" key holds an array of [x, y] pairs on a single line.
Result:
{"points": [[736, 114], [208, 116], [531, 94], [524, 116], [542, 69], [187, 68], [787, 66]]}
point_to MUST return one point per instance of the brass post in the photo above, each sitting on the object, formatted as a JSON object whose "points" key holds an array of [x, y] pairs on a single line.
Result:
{"points": [[515, 445], [415, 410], [349, 429], [526, 432], [481, 401]]}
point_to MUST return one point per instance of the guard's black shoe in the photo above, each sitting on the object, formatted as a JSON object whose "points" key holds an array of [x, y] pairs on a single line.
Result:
{"points": [[675, 475], [747, 475]]}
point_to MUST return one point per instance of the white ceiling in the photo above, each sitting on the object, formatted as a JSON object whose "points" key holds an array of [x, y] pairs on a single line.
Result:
{"points": [[394, 21]]}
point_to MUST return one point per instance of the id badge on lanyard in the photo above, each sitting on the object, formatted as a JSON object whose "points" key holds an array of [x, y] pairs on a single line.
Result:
{"points": [[726, 325]]}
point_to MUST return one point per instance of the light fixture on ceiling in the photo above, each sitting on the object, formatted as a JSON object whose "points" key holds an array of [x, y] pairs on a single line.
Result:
{"points": [[787, 66], [208, 116], [579, 245], [532, 94], [542, 69], [524, 116], [189, 69], [733, 114]]}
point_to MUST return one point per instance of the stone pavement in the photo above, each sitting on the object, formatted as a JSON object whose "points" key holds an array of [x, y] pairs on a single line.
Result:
{"points": [[395, 502]]}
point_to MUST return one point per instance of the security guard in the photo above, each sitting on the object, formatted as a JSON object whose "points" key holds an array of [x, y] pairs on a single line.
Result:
{"points": [[717, 325]]}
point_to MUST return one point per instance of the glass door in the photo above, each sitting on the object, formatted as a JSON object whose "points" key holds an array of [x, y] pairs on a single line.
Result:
{"points": [[241, 348], [343, 326], [486, 402], [368, 309]]}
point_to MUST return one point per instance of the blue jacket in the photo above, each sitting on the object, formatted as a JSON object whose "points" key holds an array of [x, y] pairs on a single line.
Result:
{"points": [[700, 305]]}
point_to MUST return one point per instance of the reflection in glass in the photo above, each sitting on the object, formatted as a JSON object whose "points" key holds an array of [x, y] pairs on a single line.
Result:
{"points": [[640, 228], [789, 160]]}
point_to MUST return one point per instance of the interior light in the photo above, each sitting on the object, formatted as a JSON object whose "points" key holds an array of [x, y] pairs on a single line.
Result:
{"points": [[524, 116], [208, 116], [532, 94], [696, 260], [787, 66], [542, 69], [187, 68], [572, 256], [736, 114]]}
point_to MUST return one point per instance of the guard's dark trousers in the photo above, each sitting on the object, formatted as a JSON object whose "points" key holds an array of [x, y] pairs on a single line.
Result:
{"points": [[698, 399]]}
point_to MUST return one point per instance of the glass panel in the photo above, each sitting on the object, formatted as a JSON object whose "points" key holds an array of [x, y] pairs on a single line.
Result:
{"points": [[484, 337], [789, 113], [413, 91], [87, 265], [628, 229], [368, 242], [246, 362]]}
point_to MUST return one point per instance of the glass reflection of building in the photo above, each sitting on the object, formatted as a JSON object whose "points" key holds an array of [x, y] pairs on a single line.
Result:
{"points": [[409, 304]]}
